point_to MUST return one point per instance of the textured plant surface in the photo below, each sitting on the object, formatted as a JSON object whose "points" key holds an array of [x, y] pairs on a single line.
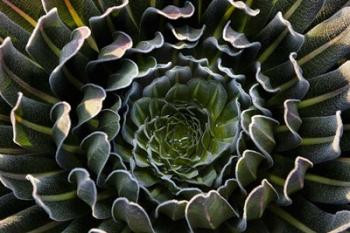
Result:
{"points": [[159, 116]]}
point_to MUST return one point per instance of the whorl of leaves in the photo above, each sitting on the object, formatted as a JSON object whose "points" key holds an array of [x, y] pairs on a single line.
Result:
{"points": [[154, 116]]}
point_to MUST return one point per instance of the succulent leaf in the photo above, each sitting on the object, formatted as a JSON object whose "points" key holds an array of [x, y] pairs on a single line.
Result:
{"points": [[167, 116]]}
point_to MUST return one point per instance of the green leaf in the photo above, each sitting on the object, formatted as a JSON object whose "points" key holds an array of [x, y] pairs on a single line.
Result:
{"points": [[246, 118], [162, 16], [257, 100], [133, 214], [108, 226], [261, 131], [66, 151], [20, 74], [247, 166], [329, 8], [14, 168], [172, 12], [24, 14], [31, 125], [295, 179], [109, 123], [309, 219], [117, 48], [258, 200], [326, 44], [211, 95], [57, 197], [181, 74], [59, 114], [287, 135], [91, 104], [149, 45], [124, 184], [97, 149], [236, 39], [329, 182], [83, 224], [300, 13], [7, 145], [179, 93], [321, 138], [284, 81], [228, 188], [107, 22], [324, 99], [10, 204], [87, 191], [186, 32], [47, 40], [202, 211], [65, 81], [252, 25], [127, 72], [219, 12], [74, 13], [173, 209], [227, 125], [278, 39], [31, 219], [19, 35]]}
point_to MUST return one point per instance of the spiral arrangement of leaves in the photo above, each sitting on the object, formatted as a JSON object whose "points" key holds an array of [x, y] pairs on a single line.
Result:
{"points": [[154, 116]]}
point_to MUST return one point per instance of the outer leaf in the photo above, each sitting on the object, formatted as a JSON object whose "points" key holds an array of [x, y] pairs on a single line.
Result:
{"points": [[125, 185], [289, 136], [300, 13], [261, 131], [329, 183], [133, 214], [87, 191], [247, 168], [329, 8], [31, 125], [326, 44], [201, 211], [278, 40], [323, 99], [284, 81], [323, 145], [7, 145], [57, 197], [97, 149], [225, 9], [174, 209], [65, 82], [13, 170], [11, 29], [306, 217], [24, 14], [91, 103], [109, 226], [258, 200], [20, 74], [74, 13], [48, 38], [295, 179], [31, 219]]}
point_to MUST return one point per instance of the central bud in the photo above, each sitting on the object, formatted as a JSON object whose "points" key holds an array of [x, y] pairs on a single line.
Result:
{"points": [[180, 135], [183, 129]]}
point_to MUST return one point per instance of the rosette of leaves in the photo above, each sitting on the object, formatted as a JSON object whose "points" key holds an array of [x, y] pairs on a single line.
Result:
{"points": [[174, 116]]}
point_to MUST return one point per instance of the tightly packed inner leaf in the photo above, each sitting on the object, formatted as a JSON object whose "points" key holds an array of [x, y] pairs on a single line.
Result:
{"points": [[181, 127], [168, 116]]}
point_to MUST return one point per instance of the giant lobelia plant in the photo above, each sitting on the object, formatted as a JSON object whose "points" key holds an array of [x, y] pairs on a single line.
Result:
{"points": [[160, 116]]}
